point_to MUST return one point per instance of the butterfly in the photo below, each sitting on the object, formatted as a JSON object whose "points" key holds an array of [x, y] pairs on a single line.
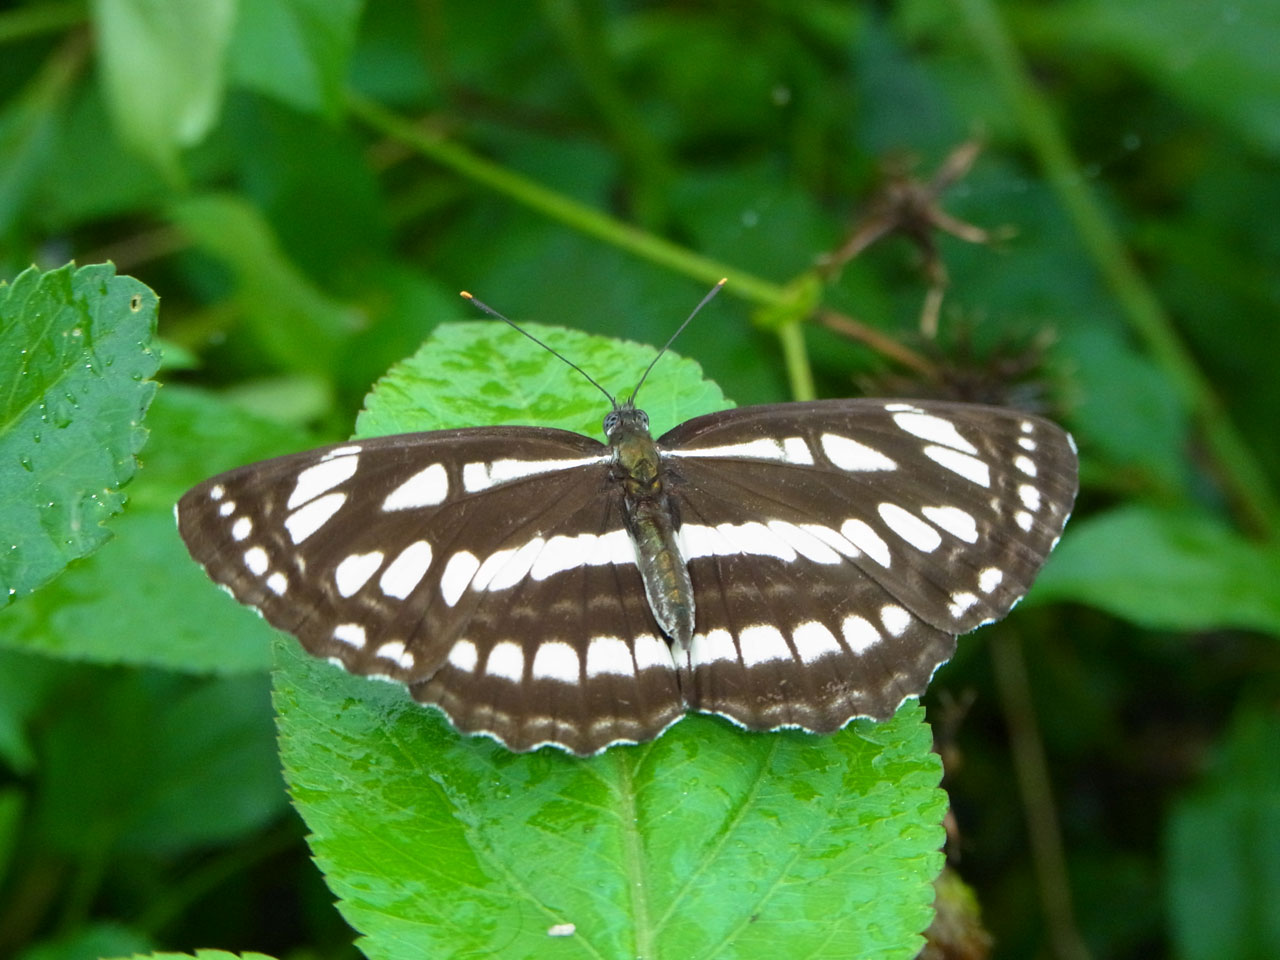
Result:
{"points": [[790, 565]]}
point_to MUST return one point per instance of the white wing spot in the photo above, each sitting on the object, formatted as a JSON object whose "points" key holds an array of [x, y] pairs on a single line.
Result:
{"points": [[712, 646], [481, 476], [1027, 444], [1024, 520], [241, 529], [227, 508], [506, 660], [1026, 426], [960, 602], [895, 619], [910, 527], [426, 488], [795, 450], [971, 468], [321, 478], [959, 523], [278, 584], [394, 651], [405, 572], [609, 655], [730, 539], [832, 539], [1029, 496], [651, 651], [458, 572], [351, 634], [556, 660], [859, 634], [463, 656], [867, 540], [342, 451], [306, 521], [762, 643], [990, 578], [756, 539], [355, 570], [805, 542], [902, 408], [563, 553], [1025, 464], [217, 492], [787, 450], [814, 641], [854, 456], [255, 558], [503, 569], [928, 427]]}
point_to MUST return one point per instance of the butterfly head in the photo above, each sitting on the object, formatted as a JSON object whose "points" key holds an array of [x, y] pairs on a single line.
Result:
{"points": [[625, 419]]}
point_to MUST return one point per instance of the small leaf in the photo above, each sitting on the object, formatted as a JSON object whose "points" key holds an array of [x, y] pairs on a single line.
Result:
{"points": [[296, 50], [1166, 571], [162, 70], [75, 356], [709, 842]]}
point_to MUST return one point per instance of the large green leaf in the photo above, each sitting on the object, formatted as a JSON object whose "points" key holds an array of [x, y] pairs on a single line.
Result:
{"points": [[1166, 571], [709, 842], [75, 356], [163, 613]]}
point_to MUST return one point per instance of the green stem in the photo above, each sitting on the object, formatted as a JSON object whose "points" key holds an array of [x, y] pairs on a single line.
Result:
{"points": [[592, 222], [1239, 471]]}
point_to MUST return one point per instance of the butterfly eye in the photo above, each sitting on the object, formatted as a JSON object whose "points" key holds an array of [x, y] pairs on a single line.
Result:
{"points": [[610, 422], [644, 419]]}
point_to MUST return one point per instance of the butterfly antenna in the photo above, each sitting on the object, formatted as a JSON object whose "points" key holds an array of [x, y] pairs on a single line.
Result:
{"points": [[519, 329], [631, 401]]}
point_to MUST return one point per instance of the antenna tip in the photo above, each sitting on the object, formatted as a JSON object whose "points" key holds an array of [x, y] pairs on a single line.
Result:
{"points": [[463, 293], [722, 281]]}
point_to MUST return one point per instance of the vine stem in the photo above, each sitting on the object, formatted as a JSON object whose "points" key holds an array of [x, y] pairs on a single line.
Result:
{"points": [[593, 223], [1239, 472]]}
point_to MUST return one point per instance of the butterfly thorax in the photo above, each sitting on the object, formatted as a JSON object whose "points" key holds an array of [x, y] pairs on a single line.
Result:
{"points": [[652, 524]]}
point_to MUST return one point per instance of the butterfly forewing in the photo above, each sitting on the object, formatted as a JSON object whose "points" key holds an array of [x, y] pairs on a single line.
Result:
{"points": [[835, 550]]}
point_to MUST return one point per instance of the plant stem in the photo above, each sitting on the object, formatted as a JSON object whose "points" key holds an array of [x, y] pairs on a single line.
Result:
{"points": [[1238, 470], [593, 223]]}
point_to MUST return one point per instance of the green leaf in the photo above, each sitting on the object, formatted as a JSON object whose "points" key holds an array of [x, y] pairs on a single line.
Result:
{"points": [[202, 955], [162, 70], [296, 50], [163, 613], [709, 842], [75, 356], [484, 372], [1166, 571], [1224, 877]]}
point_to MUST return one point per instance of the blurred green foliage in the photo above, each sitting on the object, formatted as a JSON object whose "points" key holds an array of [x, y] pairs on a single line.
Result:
{"points": [[306, 186]]}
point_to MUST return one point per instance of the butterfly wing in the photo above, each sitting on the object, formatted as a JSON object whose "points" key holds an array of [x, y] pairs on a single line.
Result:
{"points": [[879, 531], [487, 570]]}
